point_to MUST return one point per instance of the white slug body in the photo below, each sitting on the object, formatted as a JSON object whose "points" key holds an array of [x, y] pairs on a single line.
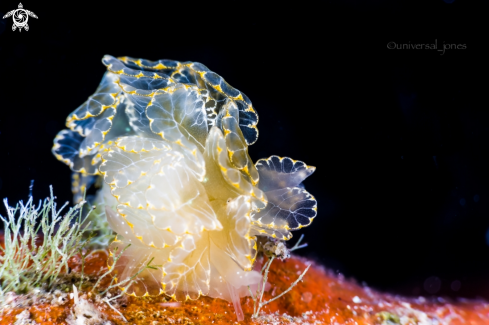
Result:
{"points": [[170, 140]]}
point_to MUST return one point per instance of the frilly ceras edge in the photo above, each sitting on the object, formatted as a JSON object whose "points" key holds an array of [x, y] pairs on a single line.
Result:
{"points": [[170, 140]]}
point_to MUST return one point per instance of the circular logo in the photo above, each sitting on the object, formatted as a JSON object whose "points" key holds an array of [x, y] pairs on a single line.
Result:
{"points": [[20, 18]]}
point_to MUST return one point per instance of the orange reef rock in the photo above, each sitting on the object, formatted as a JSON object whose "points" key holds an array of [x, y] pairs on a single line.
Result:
{"points": [[321, 298]]}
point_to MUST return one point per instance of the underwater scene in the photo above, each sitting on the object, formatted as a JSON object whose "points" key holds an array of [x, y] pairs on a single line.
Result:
{"points": [[176, 173]]}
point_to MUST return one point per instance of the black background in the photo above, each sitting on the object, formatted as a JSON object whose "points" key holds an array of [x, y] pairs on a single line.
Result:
{"points": [[399, 137]]}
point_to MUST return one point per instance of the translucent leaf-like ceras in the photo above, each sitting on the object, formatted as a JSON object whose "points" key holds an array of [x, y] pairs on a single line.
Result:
{"points": [[217, 90], [92, 126], [198, 231], [124, 104], [162, 210], [290, 206]]}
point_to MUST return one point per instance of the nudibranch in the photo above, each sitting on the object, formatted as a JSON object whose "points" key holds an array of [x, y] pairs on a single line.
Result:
{"points": [[170, 141]]}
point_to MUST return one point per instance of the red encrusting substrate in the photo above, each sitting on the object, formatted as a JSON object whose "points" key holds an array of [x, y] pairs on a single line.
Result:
{"points": [[321, 298]]}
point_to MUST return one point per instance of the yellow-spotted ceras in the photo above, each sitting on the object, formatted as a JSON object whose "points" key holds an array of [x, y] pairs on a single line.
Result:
{"points": [[119, 107], [191, 214]]}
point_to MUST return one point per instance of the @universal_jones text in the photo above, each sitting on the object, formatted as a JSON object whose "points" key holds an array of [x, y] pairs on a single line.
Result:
{"points": [[426, 46]]}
